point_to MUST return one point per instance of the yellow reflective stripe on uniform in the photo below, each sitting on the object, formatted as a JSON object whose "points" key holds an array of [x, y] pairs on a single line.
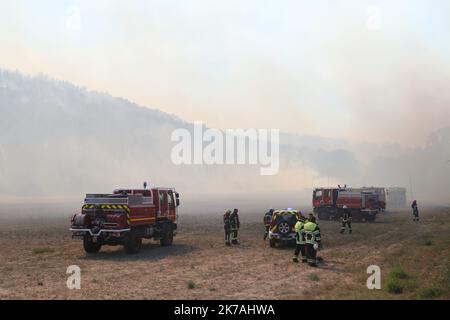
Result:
{"points": [[310, 226], [316, 235], [298, 226], [299, 232], [309, 237]]}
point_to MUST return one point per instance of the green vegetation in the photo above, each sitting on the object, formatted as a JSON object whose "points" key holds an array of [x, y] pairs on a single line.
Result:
{"points": [[190, 284], [428, 241], [398, 273], [430, 293], [41, 250], [395, 286], [395, 282], [313, 277]]}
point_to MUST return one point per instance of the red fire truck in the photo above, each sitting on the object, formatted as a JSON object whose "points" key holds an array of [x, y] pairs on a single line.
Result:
{"points": [[328, 203], [125, 217]]}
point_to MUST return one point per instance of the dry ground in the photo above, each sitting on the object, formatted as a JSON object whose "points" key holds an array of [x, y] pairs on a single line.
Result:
{"points": [[34, 255]]}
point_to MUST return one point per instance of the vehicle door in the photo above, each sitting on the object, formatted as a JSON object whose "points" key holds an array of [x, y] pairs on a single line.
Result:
{"points": [[172, 205], [163, 203]]}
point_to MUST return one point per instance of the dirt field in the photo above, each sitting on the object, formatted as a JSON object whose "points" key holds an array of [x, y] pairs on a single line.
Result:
{"points": [[415, 257]]}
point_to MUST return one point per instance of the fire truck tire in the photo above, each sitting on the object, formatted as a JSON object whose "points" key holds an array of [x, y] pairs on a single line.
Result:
{"points": [[357, 216], [167, 238], [132, 243], [272, 243], [323, 215], [89, 246]]}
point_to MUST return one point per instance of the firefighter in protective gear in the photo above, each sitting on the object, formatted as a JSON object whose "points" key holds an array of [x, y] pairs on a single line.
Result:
{"points": [[235, 224], [267, 220], [312, 241], [415, 211], [227, 227], [346, 220], [300, 242]]}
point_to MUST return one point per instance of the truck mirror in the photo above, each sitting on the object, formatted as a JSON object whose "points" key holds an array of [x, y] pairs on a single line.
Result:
{"points": [[178, 202], [177, 195]]}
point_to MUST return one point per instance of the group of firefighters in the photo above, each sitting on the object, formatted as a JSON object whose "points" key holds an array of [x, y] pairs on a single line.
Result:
{"points": [[231, 225], [308, 238]]}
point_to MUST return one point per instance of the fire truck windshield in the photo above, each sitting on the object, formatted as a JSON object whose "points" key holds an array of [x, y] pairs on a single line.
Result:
{"points": [[318, 194]]}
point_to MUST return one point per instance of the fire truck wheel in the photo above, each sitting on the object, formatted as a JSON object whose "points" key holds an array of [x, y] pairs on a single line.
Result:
{"points": [[132, 243], [89, 246], [167, 239], [323, 215], [357, 216], [272, 243]]}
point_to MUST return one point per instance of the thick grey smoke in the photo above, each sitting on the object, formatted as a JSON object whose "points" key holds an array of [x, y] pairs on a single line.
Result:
{"points": [[60, 141]]}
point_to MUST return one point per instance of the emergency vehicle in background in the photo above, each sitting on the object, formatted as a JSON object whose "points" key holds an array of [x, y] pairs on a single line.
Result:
{"points": [[396, 197], [328, 203], [125, 217]]}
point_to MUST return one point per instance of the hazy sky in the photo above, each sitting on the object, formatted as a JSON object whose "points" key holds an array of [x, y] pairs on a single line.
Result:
{"points": [[374, 71]]}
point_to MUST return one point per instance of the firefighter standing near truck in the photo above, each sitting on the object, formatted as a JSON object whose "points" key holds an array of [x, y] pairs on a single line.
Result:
{"points": [[415, 211], [227, 227], [300, 240], [346, 219], [235, 224], [312, 241], [267, 220]]}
